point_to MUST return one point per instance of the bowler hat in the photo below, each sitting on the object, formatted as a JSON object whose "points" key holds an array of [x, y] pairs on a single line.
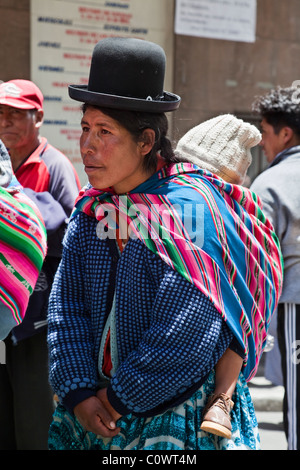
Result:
{"points": [[127, 73]]}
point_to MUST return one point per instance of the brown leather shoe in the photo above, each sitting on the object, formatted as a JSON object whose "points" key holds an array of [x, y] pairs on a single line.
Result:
{"points": [[216, 418]]}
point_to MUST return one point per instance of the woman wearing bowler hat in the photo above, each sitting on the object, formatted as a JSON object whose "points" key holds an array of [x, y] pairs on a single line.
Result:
{"points": [[153, 286]]}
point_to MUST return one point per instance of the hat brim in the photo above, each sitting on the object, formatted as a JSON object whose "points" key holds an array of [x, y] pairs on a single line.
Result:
{"points": [[170, 101], [15, 103]]}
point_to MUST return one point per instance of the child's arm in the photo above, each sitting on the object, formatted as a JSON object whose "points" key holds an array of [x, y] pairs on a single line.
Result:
{"points": [[227, 372]]}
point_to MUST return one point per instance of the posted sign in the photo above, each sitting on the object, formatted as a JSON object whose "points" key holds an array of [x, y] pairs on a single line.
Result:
{"points": [[63, 35], [233, 20]]}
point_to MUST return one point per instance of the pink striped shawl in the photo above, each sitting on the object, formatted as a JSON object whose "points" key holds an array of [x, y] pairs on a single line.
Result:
{"points": [[23, 247], [228, 250]]}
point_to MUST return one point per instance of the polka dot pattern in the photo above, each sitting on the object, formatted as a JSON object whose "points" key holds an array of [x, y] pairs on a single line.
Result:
{"points": [[169, 335]]}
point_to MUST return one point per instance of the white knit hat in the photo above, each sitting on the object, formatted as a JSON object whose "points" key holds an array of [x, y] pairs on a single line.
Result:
{"points": [[222, 146]]}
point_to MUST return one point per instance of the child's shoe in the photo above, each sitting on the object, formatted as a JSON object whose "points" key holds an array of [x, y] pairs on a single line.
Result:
{"points": [[216, 417]]}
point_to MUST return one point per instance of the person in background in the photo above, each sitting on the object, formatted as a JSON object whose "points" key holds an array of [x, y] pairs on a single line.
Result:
{"points": [[49, 179], [221, 146], [279, 190], [156, 279], [23, 246]]}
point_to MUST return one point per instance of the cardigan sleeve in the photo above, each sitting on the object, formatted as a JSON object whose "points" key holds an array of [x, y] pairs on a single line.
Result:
{"points": [[184, 339], [72, 370], [170, 337]]}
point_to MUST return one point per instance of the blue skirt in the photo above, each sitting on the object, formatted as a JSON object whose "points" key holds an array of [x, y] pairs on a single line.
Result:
{"points": [[176, 429]]}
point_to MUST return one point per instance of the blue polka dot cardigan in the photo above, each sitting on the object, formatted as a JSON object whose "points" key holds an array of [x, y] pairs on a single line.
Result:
{"points": [[168, 336]]}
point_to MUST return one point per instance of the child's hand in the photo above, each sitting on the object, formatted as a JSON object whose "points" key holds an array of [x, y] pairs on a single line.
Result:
{"points": [[94, 417]]}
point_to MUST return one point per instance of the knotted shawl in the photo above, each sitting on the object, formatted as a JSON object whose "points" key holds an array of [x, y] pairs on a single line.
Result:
{"points": [[213, 233], [22, 248]]}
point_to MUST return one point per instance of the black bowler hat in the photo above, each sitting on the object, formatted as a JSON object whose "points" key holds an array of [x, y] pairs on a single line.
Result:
{"points": [[127, 73]]}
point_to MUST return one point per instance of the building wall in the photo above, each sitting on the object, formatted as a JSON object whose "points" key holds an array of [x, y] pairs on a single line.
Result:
{"points": [[15, 39], [214, 76], [211, 76]]}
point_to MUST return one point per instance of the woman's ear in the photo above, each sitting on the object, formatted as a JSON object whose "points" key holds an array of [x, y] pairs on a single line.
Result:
{"points": [[147, 141]]}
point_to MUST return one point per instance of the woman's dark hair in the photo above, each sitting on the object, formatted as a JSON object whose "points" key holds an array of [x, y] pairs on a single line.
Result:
{"points": [[135, 123], [280, 108]]}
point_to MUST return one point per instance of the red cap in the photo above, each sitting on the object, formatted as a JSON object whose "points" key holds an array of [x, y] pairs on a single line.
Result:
{"points": [[21, 94]]}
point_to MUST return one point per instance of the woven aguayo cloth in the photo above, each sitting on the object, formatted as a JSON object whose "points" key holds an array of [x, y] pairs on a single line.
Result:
{"points": [[213, 233]]}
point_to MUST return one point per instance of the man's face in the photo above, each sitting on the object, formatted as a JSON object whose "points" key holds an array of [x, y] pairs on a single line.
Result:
{"points": [[17, 127], [271, 143]]}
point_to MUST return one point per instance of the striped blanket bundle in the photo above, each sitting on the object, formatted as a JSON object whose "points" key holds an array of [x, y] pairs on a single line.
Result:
{"points": [[23, 247], [214, 234]]}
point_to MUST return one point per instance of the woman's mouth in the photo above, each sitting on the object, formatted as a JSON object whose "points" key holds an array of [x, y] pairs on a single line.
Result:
{"points": [[92, 168]]}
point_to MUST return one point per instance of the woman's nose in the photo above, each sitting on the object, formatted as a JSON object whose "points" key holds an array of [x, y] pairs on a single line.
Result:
{"points": [[88, 142]]}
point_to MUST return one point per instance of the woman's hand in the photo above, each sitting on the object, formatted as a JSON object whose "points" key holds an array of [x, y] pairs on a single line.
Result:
{"points": [[102, 396], [96, 415]]}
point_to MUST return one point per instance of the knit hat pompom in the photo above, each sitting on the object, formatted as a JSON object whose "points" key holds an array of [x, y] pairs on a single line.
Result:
{"points": [[222, 146]]}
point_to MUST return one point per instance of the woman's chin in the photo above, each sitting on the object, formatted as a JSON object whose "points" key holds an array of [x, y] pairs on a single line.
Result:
{"points": [[96, 182]]}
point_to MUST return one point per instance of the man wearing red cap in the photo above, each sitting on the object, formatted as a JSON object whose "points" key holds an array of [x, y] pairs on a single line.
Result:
{"points": [[48, 178]]}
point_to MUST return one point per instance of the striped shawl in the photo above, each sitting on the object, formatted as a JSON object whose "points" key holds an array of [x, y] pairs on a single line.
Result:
{"points": [[213, 233], [22, 250]]}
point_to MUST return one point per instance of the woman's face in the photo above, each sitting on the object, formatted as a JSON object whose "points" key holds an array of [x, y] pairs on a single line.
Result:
{"points": [[110, 156]]}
